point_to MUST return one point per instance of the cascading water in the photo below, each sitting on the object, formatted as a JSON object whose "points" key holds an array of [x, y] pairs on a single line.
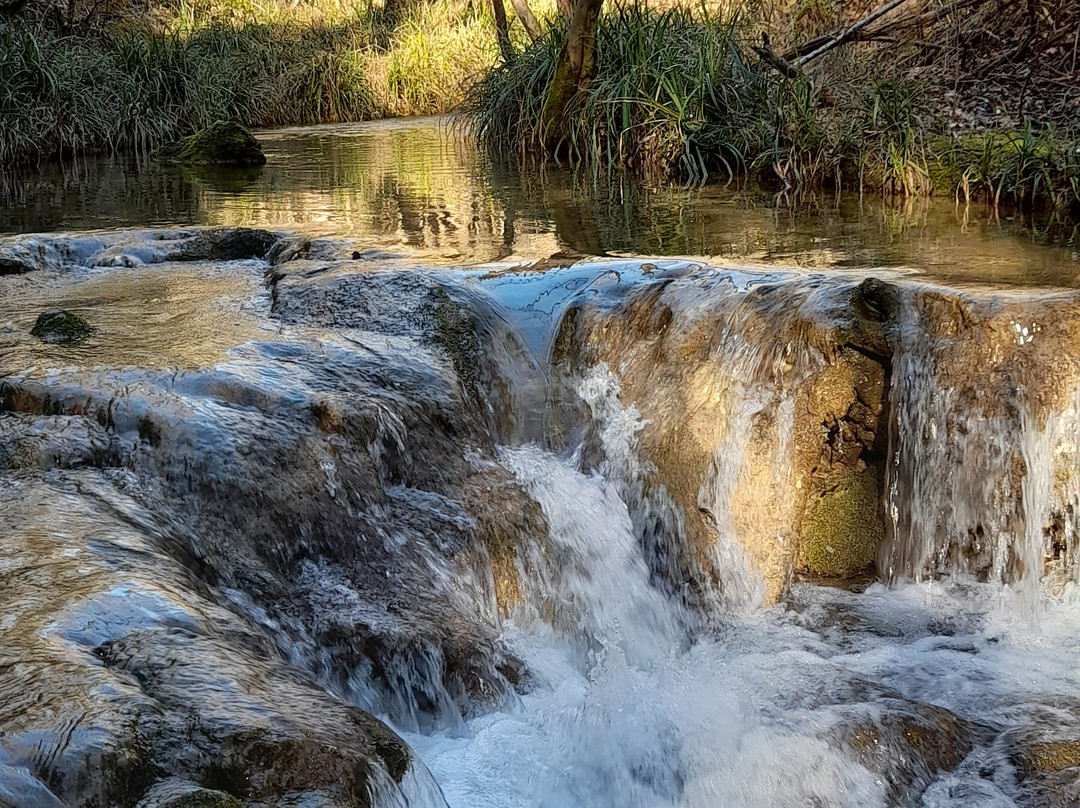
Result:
{"points": [[982, 473], [626, 707], [655, 588]]}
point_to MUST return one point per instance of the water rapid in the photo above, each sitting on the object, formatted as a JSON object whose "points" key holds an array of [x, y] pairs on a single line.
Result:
{"points": [[287, 522]]}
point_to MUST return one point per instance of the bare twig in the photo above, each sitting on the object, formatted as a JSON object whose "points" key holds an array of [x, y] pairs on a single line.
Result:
{"points": [[847, 34], [1076, 47]]}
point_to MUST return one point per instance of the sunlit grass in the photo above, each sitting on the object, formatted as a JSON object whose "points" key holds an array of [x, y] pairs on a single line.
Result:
{"points": [[146, 81], [675, 96]]}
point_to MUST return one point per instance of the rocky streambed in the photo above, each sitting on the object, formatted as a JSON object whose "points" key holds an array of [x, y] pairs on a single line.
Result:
{"points": [[287, 521]]}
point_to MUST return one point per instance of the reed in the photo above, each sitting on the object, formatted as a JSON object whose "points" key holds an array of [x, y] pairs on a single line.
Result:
{"points": [[130, 88], [675, 97]]}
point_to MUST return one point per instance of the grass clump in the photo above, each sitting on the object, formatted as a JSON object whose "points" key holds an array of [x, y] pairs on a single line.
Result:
{"points": [[1027, 167], [677, 95], [672, 93], [134, 86]]}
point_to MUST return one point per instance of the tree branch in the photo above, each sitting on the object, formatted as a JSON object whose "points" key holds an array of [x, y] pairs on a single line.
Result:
{"points": [[847, 35]]}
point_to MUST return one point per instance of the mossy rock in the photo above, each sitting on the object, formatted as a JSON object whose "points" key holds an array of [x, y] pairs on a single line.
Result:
{"points": [[223, 144], [1047, 757], [58, 327], [844, 530]]}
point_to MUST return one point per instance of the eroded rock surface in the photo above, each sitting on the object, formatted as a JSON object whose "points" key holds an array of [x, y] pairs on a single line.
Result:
{"points": [[762, 402], [116, 671], [220, 568]]}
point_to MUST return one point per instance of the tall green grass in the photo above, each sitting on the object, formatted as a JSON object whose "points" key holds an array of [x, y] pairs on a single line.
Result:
{"points": [[675, 95], [133, 89], [672, 93], [1027, 167]]}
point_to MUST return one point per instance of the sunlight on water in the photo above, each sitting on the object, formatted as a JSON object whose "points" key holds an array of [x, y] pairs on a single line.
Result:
{"points": [[266, 496], [419, 187]]}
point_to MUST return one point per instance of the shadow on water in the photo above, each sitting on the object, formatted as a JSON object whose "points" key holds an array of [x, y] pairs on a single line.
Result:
{"points": [[418, 185]]}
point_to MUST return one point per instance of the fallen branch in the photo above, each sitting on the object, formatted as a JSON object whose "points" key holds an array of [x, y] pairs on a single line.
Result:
{"points": [[776, 62], [790, 64], [847, 35]]}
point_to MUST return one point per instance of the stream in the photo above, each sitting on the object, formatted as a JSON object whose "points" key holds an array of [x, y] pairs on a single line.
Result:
{"points": [[387, 475]]}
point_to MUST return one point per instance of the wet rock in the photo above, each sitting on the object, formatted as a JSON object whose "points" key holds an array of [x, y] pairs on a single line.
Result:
{"points": [[459, 322], [1045, 757], [905, 742], [51, 442], [225, 244], [177, 793], [116, 673], [876, 305], [22, 254], [225, 143], [261, 465], [59, 327], [14, 266], [761, 421], [988, 399]]}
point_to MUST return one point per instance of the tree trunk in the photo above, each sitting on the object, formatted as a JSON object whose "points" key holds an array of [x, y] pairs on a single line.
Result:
{"points": [[502, 30], [574, 71], [524, 13], [566, 8]]}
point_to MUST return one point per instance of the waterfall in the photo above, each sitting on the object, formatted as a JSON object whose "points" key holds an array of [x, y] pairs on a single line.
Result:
{"points": [[982, 472], [619, 706], [637, 534]]}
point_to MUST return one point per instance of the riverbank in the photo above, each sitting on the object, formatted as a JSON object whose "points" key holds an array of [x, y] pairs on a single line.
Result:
{"points": [[974, 99], [977, 98], [124, 83]]}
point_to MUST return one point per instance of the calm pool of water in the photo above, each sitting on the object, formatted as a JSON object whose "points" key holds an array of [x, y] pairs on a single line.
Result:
{"points": [[419, 186]]}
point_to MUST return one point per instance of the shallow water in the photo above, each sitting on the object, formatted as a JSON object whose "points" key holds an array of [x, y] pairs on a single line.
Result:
{"points": [[238, 487], [417, 186]]}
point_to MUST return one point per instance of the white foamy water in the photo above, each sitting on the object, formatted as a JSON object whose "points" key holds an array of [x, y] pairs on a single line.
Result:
{"points": [[833, 698], [755, 715]]}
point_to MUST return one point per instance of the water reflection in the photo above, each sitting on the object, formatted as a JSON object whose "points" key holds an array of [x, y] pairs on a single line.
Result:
{"points": [[182, 316], [416, 185]]}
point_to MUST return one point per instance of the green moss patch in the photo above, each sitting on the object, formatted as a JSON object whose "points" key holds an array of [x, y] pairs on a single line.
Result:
{"points": [[225, 143], [844, 529]]}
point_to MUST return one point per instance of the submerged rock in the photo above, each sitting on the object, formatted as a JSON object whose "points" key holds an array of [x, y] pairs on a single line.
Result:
{"points": [[14, 266], [176, 793], [224, 143], [1046, 757], [262, 464], [61, 327], [905, 742]]}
